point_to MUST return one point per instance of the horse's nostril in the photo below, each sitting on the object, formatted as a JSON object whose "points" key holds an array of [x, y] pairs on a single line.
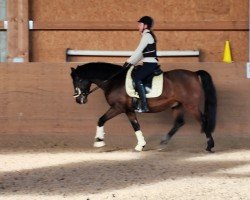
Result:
{"points": [[85, 100], [78, 101]]}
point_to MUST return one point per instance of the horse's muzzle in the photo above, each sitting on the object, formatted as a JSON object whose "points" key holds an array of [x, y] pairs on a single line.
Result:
{"points": [[79, 96], [81, 99]]}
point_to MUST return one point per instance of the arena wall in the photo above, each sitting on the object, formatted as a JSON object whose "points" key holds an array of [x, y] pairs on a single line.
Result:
{"points": [[36, 98], [111, 25]]}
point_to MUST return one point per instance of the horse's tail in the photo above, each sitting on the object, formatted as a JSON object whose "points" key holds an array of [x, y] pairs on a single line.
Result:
{"points": [[209, 118]]}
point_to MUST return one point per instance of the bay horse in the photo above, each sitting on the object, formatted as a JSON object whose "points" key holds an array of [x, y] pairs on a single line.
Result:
{"points": [[182, 90]]}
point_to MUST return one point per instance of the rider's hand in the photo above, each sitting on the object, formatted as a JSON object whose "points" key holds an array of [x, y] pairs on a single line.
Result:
{"points": [[126, 65]]}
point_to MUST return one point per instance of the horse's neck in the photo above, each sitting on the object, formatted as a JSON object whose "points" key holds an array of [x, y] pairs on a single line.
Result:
{"points": [[100, 73], [99, 82], [107, 83]]}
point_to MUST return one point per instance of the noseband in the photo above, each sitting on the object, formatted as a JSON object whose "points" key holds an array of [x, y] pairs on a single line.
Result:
{"points": [[79, 92]]}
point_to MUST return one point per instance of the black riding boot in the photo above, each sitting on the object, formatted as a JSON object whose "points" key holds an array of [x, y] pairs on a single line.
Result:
{"points": [[141, 91]]}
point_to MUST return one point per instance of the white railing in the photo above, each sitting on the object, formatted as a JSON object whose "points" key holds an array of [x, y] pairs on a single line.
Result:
{"points": [[177, 53]]}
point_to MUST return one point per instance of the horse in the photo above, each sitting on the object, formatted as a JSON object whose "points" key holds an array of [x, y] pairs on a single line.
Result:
{"points": [[182, 90]]}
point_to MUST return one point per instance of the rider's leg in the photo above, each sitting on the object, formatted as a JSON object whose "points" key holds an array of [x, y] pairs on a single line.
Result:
{"points": [[142, 94], [140, 74]]}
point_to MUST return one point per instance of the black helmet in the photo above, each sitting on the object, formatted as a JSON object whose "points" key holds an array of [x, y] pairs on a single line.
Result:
{"points": [[147, 20]]}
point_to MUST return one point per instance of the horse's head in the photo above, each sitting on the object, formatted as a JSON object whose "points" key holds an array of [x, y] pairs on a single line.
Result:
{"points": [[81, 87]]}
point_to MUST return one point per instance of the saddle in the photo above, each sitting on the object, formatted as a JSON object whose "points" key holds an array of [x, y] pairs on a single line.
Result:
{"points": [[153, 84]]}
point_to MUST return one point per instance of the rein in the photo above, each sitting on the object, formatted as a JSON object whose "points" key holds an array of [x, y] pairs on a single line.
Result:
{"points": [[106, 81]]}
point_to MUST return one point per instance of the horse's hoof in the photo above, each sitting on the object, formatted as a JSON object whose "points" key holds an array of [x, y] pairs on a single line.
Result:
{"points": [[162, 148], [99, 144], [139, 148], [164, 142], [209, 150]]}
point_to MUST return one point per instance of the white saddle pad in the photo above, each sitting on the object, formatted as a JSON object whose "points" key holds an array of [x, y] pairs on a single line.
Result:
{"points": [[156, 90]]}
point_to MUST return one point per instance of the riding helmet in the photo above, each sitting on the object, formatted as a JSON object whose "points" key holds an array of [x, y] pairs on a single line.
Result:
{"points": [[147, 20]]}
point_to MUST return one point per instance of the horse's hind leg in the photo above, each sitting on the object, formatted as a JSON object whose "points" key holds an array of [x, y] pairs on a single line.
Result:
{"points": [[210, 142], [195, 111], [134, 122], [99, 137], [179, 121]]}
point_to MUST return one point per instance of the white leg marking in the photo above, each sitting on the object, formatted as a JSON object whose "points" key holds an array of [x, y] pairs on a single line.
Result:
{"points": [[100, 132], [99, 135], [141, 141]]}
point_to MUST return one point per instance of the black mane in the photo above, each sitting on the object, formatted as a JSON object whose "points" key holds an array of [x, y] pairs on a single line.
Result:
{"points": [[97, 70]]}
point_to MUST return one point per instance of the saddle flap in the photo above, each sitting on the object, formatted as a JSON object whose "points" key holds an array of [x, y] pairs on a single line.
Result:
{"points": [[147, 82], [156, 90]]}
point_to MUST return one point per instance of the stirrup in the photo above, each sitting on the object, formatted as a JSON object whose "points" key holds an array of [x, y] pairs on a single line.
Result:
{"points": [[140, 110]]}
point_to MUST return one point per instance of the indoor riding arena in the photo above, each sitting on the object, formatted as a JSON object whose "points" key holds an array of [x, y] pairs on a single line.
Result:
{"points": [[47, 139]]}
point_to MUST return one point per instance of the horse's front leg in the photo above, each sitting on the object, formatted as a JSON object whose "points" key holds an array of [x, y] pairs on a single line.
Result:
{"points": [[99, 137], [134, 122]]}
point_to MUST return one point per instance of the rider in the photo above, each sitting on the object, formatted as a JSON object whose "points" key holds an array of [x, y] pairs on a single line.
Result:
{"points": [[146, 51]]}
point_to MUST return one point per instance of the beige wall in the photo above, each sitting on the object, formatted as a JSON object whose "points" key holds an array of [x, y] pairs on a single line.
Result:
{"points": [[130, 10], [37, 98], [51, 45]]}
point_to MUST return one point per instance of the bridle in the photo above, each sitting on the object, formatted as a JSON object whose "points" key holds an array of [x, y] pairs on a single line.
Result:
{"points": [[85, 94]]}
